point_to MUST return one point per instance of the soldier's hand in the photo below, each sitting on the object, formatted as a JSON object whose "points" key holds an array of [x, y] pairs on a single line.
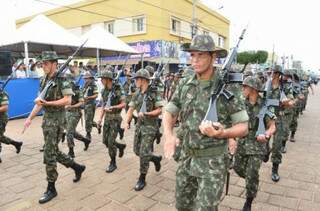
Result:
{"points": [[140, 114], [262, 138], [126, 126], [107, 109], [232, 145], [211, 129], [67, 107], [27, 123], [169, 146]]}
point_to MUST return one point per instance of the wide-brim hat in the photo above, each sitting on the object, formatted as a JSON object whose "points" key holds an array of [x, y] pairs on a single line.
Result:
{"points": [[204, 43], [48, 56], [142, 73], [106, 74]]}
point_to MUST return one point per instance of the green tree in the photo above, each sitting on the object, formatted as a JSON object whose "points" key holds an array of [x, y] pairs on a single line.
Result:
{"points": [[251, 57]]}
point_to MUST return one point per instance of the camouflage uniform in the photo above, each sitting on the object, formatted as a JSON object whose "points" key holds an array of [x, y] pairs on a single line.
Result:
{"points": [[204, 161], [4, 100], [296, 93], [146, 127], [73, 115], [305, 84], [112, 120], [89, 89], [248, 157]]}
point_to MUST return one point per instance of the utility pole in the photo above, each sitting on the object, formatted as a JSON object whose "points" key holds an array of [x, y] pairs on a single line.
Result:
{"points": [[194, 19]]}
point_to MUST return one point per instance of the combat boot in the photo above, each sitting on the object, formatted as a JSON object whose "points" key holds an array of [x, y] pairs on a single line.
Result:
{"points": [[86, 143], [157, 162], [112, 165], [141, 183], [159, 135], [292, 136], [283, 147], [78, 170], [275, 176], [17, 145], [63, 138], [88, 136], [247, 204], [121, 148], [49, 194], [71, 152], [121, 133], [0, 160]]}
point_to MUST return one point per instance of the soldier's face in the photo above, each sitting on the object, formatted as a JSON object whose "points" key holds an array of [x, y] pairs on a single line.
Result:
{"points": [[246, 91], [201, 61], [107, 82], [49, 66]]}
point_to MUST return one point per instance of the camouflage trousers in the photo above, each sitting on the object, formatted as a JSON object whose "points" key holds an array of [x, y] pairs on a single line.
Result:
{"points": [[110, 132], [51, 155], [89, 111], [247, 167], [4, 139], [280, 136], [142, 146], [200, 182], [72, 119], [294, 120]]}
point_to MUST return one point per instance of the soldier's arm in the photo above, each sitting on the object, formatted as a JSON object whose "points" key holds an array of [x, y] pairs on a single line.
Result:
{"points": [[92, 97], [77, 105], [102, 113], [3, 108], [154, 113], [66, 100], [271, 125], [129, 117], [121, 105]]}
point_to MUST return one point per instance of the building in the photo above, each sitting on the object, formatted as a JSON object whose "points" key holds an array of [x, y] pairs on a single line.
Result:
{"points": [[156, 28]]}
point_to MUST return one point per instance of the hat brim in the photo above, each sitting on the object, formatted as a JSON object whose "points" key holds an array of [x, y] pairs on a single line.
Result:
{"points": [[135, 77], [220, 53]]}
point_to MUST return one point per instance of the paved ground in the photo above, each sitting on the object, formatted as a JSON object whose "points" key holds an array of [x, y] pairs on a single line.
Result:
{"points": [[22, 177]]}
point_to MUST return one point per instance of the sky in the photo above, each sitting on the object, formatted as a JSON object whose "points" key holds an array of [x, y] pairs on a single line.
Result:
{"points": [[290, 25]]}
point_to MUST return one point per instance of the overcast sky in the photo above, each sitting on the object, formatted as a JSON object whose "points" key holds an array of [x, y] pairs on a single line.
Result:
{"points": [[291, 25]]}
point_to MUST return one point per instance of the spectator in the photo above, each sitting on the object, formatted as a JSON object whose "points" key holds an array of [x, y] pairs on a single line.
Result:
{"points": [[39, 69], [21, 72], [32, 73]]}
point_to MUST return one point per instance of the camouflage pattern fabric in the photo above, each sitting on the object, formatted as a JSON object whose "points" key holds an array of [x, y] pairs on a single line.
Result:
{"points": [[288, 112], [146, 128], [53, 118], [203, 161], [4, 100], [112, 120], [128, 93], [90, 106]]}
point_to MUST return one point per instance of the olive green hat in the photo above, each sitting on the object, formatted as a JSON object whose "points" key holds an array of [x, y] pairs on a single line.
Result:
{"points": [[142, 73], [48, 56], [106, 74], [253, 82], [150, 69]]}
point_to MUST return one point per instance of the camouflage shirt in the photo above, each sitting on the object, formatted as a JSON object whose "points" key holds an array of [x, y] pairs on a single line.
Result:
{"points": [[88, 90], [118, 97], [76, 98], [4, 100], [191, 99], [288, 90], [249, 144]]}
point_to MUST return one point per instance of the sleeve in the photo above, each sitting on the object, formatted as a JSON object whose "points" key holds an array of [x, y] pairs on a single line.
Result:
{"points": [[158, 102], [237, 107], [81, 99], [95, 89], [174, 106], [270, 115], [133, 103], [4, 99], [66, 88], [121, 93]]}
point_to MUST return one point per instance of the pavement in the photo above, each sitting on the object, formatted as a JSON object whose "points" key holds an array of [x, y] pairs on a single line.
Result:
{"points": [[22, 176]]}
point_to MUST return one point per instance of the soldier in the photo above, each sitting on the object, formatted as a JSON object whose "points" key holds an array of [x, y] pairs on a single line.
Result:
{"points": [[305, 84], [250, 150], [147, 125], [57, 97], [113, 102], [4, 104], [73, 115], [278, 93], [129, 90], [247, 73], [90, 93], [175, 82], [204, 160]]}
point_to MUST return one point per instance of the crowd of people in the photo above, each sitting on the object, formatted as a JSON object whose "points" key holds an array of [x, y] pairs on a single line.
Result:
{"points": [[263, 107]]}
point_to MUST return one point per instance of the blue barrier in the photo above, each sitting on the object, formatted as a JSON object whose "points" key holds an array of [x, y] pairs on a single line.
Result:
{"points": [[22, 93]]}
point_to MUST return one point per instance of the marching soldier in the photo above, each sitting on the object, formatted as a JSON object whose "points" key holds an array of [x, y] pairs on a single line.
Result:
{"points": [[204, 160], [147, 125], [113, 102], [129, 89], [251, 149], [90, 93], [57, 97], [73, 115], [4, 104]]}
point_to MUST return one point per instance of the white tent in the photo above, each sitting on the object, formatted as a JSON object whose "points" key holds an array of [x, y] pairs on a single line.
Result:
{"points": [[38, 35]]}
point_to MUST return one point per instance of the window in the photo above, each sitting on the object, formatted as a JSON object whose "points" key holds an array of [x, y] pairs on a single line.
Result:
{"points": [[109, 26], [138, 24], [175, 26], [221, 41], [85, 29]]}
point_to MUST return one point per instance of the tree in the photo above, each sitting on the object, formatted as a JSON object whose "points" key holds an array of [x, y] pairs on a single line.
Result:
{"points": [[251, 57]]}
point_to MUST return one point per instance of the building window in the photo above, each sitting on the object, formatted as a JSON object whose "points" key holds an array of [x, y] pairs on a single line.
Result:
{"points": [[175, 26], [138, 24], [85, 29], [109, 26], [221, 41]]}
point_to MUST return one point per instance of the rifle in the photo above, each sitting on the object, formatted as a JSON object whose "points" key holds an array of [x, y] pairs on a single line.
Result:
{"points": [[59, 72], [116, 67], [10, 76], [227, 78], [152, 86]]}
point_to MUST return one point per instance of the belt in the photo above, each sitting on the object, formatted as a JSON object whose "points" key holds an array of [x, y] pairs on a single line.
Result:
{"points": [[212, 151]]}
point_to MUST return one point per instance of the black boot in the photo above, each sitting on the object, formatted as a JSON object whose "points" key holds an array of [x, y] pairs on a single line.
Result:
{"points": [[157, 162], [99, 129], [88, 136], [284, 148], [17, 145], [63, 138], [141, 183], [158, 138], [292, 136], [275, 176], [78, 170], [49, 194], [86, 143], [121, 148], [112, 165], [121, 133], [71, 152], [267, 155], [247, 204], [135, 119]]}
